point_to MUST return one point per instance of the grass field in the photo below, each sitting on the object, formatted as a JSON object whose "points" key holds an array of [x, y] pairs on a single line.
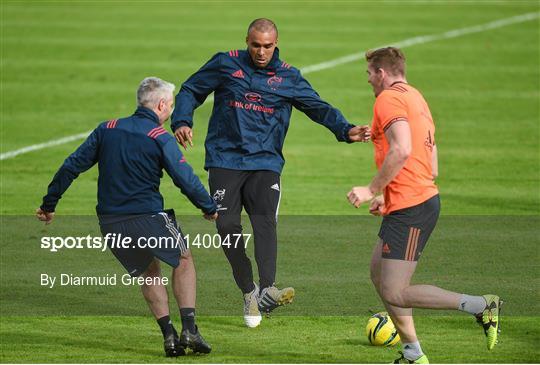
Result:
{"points": [[66, 66]]}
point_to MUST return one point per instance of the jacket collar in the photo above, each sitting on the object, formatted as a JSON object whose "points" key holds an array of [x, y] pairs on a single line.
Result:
{"points": [[146, 113], [272, 65]]}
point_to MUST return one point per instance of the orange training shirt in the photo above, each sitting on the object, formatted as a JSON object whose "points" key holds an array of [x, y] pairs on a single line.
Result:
{"points": [[414, 182]]}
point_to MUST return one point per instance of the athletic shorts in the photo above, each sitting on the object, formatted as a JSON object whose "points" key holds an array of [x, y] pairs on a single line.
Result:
{"points": [[405, 232], [152, 236]]}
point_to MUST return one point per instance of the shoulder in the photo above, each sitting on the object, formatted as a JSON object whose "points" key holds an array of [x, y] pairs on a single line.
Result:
{"points": [[284, 67], [287, 73], [389, 96], [389, 105], [159, 134], [108, 124], [233, 55]]}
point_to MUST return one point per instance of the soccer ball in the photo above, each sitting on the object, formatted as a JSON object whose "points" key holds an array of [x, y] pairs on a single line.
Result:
{"points": [[380, 330]]}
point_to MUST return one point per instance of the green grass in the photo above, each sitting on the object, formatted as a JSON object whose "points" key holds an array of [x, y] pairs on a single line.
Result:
{"points": [[279, 340], [66, 66]]}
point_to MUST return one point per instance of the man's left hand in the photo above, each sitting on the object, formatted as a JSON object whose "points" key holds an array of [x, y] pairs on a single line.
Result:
{"points": [[359, 195], [360, 133]]}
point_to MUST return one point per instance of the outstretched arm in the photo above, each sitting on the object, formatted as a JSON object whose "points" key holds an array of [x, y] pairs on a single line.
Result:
{"points": [[310, 103], [79, 161]]}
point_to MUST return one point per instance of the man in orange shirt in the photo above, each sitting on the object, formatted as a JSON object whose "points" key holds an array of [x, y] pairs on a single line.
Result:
{"points": [[403, 135]]}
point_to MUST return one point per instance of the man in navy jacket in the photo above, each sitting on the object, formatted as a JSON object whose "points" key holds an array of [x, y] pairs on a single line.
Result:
{"points": [[131, 154], [254, 92]]}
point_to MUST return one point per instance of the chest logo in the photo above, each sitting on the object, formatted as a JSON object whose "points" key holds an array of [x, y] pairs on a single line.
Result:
{"points": [[274, 82]]}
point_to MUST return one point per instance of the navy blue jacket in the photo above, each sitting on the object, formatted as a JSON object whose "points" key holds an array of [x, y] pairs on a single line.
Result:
{"points": [[252, 110], [131, 154]]}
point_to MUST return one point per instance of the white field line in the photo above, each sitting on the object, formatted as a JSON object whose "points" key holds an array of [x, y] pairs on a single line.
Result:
{"points": [[35, 147], [425, 39], [323, 66]]}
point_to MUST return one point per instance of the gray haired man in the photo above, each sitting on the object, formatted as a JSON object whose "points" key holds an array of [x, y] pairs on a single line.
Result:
{"points": [[131, 153]]}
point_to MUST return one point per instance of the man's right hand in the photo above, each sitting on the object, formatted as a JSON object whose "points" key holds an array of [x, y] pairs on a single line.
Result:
{"points": [[44, 216], [211, 217], [184, 135]]}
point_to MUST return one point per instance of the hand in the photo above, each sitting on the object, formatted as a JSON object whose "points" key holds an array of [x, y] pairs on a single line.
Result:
{"points": [[360, 133], [44, 216], [377, 205], [359, 195], [184, 135], [211, 217]]}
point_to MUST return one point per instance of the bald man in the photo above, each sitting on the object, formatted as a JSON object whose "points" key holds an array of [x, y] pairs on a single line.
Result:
{"points": [[254, 92]]}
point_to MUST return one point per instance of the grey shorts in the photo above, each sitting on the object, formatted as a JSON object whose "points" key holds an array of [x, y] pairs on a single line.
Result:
{"points": [[405, 232], [152, 236]]}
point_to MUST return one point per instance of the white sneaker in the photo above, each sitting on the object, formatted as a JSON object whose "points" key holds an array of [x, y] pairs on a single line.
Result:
{"points": [[252, 316]]}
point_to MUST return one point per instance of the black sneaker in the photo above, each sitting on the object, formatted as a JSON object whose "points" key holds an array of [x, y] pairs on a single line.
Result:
{"points": [[172, 346], [194, 341]]}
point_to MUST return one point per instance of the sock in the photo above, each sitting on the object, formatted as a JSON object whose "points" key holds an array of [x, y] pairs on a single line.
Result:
{"points": [[472, 304], [250, 290], [412, 351], [166, 326], [188, 319]]}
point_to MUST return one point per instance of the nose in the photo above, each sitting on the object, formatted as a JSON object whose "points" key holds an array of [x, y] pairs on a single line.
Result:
{"points": [[260, 52]]}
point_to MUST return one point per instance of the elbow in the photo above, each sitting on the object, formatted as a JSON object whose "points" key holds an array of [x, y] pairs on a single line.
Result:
{"points": [[403, 152], [435, 174]]}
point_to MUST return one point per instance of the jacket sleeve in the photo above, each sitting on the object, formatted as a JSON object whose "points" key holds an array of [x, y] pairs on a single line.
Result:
{"points": [[194, 92], [79, 161], [183, 177], [310, 103]]}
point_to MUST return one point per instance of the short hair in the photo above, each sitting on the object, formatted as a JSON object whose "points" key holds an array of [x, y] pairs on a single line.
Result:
{"points": [[391, 59], [262, 25], [151, 90]]}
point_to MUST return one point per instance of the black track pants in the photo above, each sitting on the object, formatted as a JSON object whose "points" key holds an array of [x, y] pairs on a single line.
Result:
{"points": [[259, 193]]}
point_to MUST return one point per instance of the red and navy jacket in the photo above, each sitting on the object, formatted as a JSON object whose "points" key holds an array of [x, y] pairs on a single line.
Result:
{"points": [[131, 154], [252, 110]]}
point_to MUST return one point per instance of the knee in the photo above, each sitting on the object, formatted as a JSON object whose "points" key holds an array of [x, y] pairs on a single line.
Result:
{"points": [[394, 297]]}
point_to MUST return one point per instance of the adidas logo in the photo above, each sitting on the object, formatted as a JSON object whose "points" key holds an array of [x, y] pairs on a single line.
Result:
{"points": [[275, 187], [386, 248], [238, 74]]}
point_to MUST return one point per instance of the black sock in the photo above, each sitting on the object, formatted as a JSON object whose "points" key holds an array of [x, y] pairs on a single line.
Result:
{"points": [[188, 319], [166, 326]]}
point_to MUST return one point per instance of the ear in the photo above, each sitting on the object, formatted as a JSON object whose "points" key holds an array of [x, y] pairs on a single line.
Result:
{"points": [[161, 104], [247, 40]]}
